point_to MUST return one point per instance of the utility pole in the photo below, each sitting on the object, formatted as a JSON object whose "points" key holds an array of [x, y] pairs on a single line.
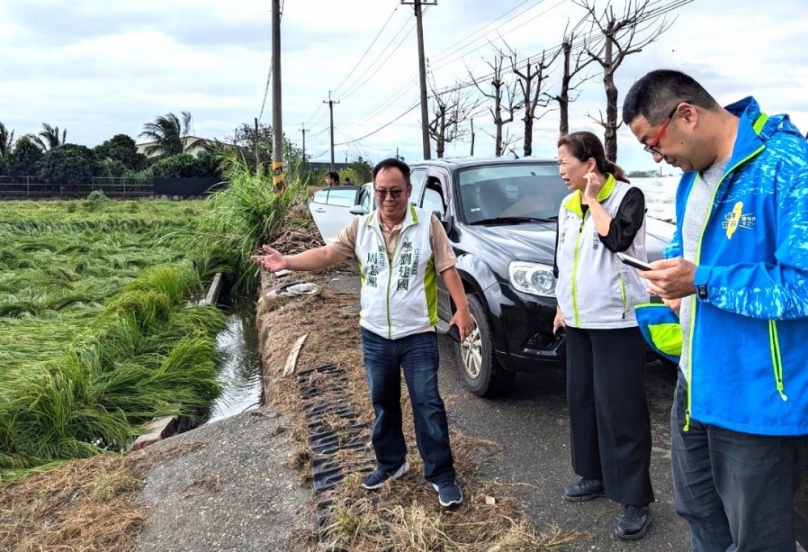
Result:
{"points": [[303, 130], [277, 124], [331, 103], [472, 136], [418, 4], [255, 146]]}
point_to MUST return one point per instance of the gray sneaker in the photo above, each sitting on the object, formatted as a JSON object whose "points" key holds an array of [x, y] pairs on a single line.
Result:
{"points": [[378, 477]]}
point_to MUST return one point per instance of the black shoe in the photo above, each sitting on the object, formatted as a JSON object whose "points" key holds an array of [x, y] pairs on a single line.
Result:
{"points": [[378, 477], [633, 524], [585, 489]]}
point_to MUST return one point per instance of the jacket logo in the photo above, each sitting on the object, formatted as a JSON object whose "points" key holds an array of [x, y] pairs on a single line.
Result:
{"points": [[737, 219]]}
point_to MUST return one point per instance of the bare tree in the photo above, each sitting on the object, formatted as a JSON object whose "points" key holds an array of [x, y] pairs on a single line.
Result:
{"points": [[532, 80], [509, 142], [639, 25], [575, 60], [504, 96], [450, 111]]}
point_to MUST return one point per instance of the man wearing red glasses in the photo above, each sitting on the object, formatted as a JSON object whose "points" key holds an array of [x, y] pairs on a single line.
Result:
{"points": [[400, 250], [736, 272]]}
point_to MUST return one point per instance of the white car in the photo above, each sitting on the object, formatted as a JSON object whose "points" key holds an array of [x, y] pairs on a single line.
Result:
{"points": [[332, 208]]}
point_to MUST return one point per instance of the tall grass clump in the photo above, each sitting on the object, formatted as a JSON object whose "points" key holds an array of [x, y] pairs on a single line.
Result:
{"points": [[246, 212]]}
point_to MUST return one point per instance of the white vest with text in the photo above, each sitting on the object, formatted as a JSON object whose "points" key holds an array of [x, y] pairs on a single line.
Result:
{"points": [[399, 292]]}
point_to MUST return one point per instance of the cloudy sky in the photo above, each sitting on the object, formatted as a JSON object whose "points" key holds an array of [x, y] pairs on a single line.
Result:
{"points": [[103, 67]]}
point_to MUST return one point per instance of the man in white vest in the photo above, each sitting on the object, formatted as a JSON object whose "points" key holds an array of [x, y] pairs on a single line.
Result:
{"points": [[400, 250]]}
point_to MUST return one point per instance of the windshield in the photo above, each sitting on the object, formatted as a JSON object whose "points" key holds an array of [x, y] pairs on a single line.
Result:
{"points": [[529, 190]]}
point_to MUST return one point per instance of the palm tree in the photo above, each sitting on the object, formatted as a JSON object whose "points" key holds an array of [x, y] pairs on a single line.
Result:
{"points": [[6, 141], [169, 135], [49, 137]]}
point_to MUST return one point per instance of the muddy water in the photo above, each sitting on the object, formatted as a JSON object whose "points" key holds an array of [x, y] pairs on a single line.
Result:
{"points": [[241, 369]]}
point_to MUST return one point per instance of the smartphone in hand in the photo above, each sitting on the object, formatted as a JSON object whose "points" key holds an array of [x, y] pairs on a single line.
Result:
{"points": [[631, 261], [454, 332]]}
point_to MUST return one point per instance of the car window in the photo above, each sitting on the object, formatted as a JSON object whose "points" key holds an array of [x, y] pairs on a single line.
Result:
{"points": [[364, 201], [517, 190], [417, 178], [341, 197], [320, 197], [433, 201]]}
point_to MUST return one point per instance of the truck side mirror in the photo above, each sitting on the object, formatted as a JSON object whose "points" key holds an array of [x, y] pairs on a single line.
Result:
{"points": [[357, 210]]}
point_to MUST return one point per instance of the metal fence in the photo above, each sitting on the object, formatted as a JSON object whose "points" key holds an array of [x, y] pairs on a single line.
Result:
{"points": [[30, 187]]}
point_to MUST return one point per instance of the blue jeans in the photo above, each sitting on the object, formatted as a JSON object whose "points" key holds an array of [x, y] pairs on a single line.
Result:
{"points": [[736, 490], [417, 356]]}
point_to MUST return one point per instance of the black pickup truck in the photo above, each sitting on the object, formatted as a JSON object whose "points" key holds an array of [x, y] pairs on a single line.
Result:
{"points": [[500, 215]]}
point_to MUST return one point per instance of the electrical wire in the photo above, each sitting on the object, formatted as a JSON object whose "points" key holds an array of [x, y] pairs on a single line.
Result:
{"points": [[368, 48], [417, 104]]}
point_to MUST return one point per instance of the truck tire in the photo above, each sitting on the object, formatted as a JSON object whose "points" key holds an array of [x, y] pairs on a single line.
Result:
{"points": [[476, 359]]}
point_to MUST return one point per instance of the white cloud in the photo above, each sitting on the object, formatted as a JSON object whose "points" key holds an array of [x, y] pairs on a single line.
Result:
{"points": [[101, 68]]}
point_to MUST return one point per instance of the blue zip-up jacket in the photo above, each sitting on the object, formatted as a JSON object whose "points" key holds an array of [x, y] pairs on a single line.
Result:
{"points": [[749, 338]]}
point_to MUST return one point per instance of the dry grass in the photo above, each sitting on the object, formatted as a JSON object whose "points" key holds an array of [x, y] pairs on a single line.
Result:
{"points": [[81, 506], [403, 515]]}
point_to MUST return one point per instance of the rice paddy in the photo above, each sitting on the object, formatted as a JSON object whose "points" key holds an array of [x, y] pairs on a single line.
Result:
{"points": [[99, 330]]}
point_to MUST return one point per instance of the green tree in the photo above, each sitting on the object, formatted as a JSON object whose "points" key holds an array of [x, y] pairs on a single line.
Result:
{"points": [[120, 148], [362, 170], [69, 165], [169, 135], [49, 137], [181, 165], [6, 142], [25, 159]]}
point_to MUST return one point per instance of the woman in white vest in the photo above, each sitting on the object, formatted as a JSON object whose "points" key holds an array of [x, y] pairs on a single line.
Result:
{"points": [[609, 420]]}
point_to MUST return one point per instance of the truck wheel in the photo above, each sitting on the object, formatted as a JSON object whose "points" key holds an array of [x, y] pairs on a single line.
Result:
{"points": [[476, 360]]}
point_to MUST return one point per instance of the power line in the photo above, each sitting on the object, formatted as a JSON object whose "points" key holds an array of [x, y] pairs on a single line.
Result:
{"points": [[675, 4], [369, 47], [502, 34], [353, 88], [654, 13], [416, 104], [438, 57], [401, 88]]}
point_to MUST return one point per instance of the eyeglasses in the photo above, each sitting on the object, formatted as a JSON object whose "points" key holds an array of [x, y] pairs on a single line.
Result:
{"points": [[652, 146], [395, 194]]}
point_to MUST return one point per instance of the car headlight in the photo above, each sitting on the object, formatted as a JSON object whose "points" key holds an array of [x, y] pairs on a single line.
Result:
{"points": [[532, 278]]}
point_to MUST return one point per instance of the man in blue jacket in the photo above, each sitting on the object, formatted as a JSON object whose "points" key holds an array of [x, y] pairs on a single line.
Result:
{"points": [[736, 273]]}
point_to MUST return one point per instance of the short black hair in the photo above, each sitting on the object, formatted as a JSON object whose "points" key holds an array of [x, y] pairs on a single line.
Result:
{"points": [[392, 163], [333, 175], [658, 92]]}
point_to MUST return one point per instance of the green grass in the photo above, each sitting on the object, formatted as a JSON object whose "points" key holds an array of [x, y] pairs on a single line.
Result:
{"points": [[100, 333], [100, 330]]}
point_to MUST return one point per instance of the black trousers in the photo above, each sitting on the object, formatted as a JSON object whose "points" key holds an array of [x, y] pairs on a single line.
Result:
{"points": [[610, 427]]}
